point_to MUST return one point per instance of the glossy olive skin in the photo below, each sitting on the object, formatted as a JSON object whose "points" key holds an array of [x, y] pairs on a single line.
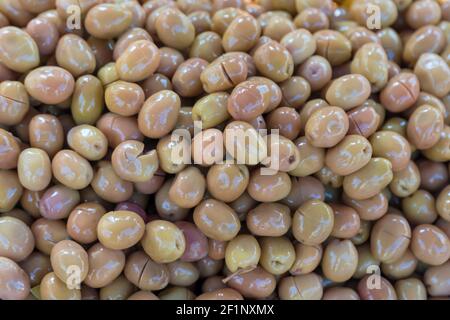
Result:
{"points": [[406, 181], [37, 265], [436, 75], [174, 29], [118, 129], [369, 180], [399, 151], [277, 254], [107, 21], [183, 193], [186, 80], [145, 273], [346, 221], [183, 273], [108, 73], [400, 92], [349, 191], [430, 244], [312, 158], [211, 110], [18, 51], [242, 252], [425, 39], [333, 46], [207, 45], [72, 170], [410, 289], [227, 182], [10, 150], [197, 245], [221, 294], [420, 207], [326, 127], [249, 99], [369, 209], [371, 61], [312, 222], [87, 101], [390, 238], [108, 185], [282, 153], [241, 34], [268, 188], [131, 65], [14, 102], [442, 203], [132, 164], [119, 289], [385, 292], [52, 288], [46, 133], [348, 91], [224, 16], [425, 126], [34, 169], [257, 283], [11, 190], [349, 155], [74, 54], [82, 222], [339, 260], [216, 220], [340, 293], [307, 259], [303, 287], [300, 44], [432, 175], [435, 280], [124, 98], [269, 219], [153, 120], [105, 265], [15, 284], [143, 295], [274, 61], [17, 239], [439, 152], [163, 241], [363, 120], [64, 256], [47, 233], [50, 85], [120, 229], [316, 70], [224, 72], [209, 267], [88, 141], [402, 267], [286, 119]]}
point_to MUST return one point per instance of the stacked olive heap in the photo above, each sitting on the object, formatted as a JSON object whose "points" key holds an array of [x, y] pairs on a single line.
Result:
{"points": [[90, 192]]}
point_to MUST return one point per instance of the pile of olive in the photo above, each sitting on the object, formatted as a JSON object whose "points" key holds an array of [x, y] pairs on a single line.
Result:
{"points": [[93, 204]]}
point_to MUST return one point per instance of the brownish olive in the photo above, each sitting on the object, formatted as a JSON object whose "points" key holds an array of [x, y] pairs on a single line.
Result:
{"points": [[269, 219], [159, 114], [216, 220], [390, 238], [119, 230], [158, 232], [313, 222]]}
